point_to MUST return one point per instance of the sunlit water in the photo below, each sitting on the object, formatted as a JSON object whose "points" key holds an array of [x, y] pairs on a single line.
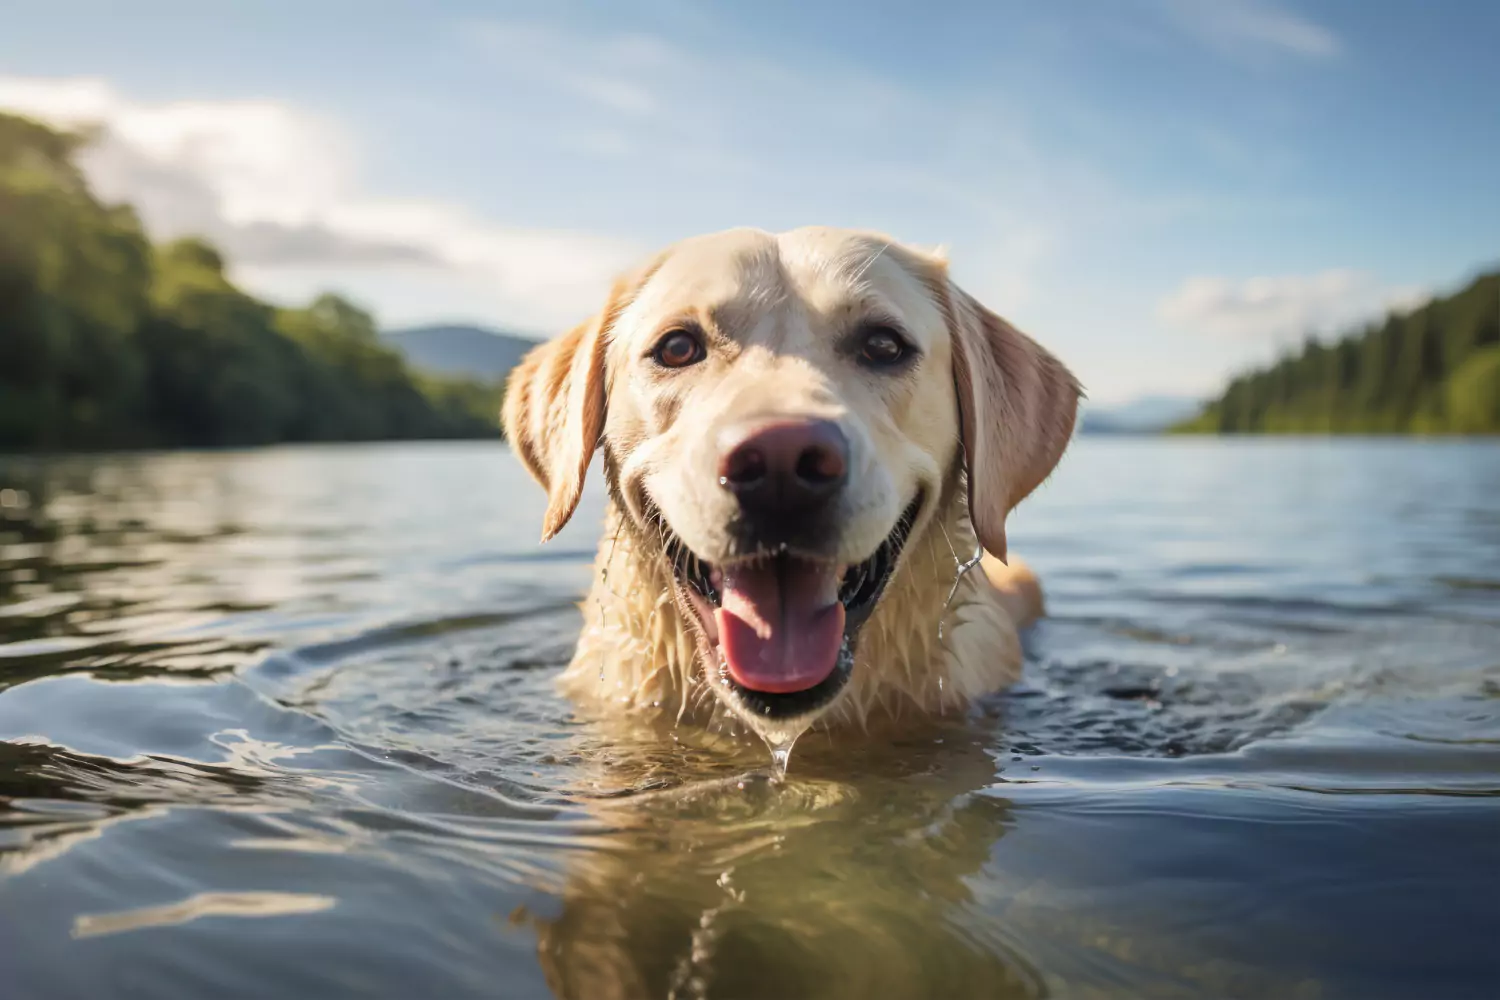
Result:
{"points": [[281, 724]]}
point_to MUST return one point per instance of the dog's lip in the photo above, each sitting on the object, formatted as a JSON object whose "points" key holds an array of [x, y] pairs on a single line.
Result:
{"points": [[698, 584], [704, 613], [862, 583]]}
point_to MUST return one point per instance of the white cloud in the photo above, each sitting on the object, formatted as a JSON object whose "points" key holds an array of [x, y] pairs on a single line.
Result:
{"points": [[1236, 26], [704, 137], [278, 188], [1281, 307], [772, 139], [249, 161]]}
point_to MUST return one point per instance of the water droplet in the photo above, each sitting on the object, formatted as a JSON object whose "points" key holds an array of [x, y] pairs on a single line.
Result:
{"points": [[780, 757], [599, 601], [963, 570]]}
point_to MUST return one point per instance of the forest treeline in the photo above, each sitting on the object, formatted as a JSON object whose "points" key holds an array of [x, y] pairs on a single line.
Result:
{"points": [[1433, 370], [107, 340]]}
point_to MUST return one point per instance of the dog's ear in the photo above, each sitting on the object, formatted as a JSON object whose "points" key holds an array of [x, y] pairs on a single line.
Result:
{"points": [[1016, 406], [555, 403]]}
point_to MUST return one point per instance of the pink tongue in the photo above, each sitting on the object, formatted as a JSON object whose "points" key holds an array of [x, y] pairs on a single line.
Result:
{"points": [[780, 624]]}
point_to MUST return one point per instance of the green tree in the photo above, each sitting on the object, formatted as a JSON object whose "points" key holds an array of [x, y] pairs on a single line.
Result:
{"points": [[106, 341], [1428, 371], [220, 374], [1473, 394], [73, 290]]}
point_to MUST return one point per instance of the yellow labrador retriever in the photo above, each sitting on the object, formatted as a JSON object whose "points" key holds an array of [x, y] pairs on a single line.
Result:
{"points": [[808, 440]]}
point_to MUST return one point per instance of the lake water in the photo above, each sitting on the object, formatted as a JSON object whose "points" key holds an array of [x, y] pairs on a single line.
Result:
{"points": [[281, 724]]}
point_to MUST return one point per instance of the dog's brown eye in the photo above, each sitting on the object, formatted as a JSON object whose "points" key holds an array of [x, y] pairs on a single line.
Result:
{"points": [[882, 347], [678, 349]]}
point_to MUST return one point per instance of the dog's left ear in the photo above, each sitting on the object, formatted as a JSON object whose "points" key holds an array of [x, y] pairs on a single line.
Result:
{"points": [[1016, 404], [555, 404]]}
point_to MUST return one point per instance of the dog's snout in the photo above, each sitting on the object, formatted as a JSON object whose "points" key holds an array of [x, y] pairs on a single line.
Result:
{"points": [[783, 464]]}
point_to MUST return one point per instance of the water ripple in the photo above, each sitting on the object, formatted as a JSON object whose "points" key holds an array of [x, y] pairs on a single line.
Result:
{"points": [[282, 722]]}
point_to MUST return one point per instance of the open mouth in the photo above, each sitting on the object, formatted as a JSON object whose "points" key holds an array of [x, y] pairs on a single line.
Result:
{"points": [[782, 622]]}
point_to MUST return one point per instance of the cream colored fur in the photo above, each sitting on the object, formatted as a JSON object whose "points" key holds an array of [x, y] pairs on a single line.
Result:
{"points": [[983, 391], [637, 652]]}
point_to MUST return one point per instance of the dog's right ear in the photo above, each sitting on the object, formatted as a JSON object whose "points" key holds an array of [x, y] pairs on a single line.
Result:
{"points": [[555, 403]]}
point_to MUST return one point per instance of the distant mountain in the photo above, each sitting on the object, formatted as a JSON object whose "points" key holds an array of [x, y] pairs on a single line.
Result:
{"points": [[490, 355], [1147, 415], [460, 350]]}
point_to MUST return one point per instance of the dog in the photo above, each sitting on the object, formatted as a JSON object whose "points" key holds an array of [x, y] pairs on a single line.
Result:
{"points": [[811, 441]]}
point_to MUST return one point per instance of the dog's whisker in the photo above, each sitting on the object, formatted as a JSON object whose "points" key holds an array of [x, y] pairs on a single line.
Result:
{"points": [[869, 261], [949, 540], [661, 614]]}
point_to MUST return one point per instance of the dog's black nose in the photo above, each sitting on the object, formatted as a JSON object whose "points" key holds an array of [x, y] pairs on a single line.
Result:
{"points": [[783, 464]]}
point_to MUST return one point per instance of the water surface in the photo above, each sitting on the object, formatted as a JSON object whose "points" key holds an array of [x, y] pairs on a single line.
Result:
{"points": [[281, 724]]}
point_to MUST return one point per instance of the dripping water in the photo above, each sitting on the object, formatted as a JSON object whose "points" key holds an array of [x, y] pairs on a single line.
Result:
{"points": [[781, 755], [599, 601], [780, 738], [963, 570], [599, 598]]}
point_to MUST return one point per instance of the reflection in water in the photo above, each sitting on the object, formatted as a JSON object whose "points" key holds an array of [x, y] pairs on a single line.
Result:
{"points": [[208, 904], [873, 872], [1254, 754], [818, 885]]}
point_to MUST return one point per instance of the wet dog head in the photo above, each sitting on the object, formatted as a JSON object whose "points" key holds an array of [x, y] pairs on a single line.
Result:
{"points": [[781, 413]]}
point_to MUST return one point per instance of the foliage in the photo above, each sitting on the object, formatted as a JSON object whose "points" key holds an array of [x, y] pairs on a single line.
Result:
{"points": [[1473, 393], [1434, 370], [108, 341]]}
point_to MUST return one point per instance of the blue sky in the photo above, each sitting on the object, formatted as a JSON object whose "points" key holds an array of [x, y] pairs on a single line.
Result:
{"points": [[1163, 191]]}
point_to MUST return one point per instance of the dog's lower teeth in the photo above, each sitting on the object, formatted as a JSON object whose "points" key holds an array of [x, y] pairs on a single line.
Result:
{"points": [[858, 590], [854, 585]]}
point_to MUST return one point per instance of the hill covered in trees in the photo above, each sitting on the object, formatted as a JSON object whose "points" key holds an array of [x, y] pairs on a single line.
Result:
{"points": [[109, 341], [1434, 370]]}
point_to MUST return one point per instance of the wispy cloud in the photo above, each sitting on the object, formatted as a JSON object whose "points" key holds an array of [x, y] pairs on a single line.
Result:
{"points": [[775, 139], [612, 73], [658, 139], [279, 189], [1240, 26], [1281, 307]]}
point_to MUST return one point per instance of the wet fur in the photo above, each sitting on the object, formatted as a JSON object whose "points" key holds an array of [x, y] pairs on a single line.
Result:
{"points": [[639, 651]]}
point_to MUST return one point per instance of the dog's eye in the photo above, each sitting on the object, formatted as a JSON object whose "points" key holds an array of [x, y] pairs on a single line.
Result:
{"points": [[678, 349], [882, 347]]}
